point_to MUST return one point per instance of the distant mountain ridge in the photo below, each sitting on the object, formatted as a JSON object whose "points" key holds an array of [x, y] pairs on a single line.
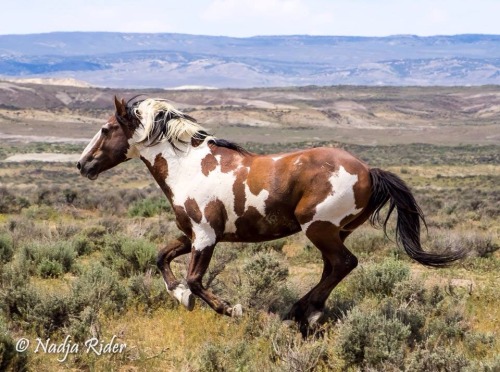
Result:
{"points": [[168, 60]]}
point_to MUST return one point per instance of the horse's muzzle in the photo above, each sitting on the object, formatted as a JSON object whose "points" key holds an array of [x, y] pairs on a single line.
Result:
{"points": [[87, 171]]}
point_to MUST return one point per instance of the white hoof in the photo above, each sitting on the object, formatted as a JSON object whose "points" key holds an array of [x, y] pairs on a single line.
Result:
{"points": [[237, 311], [288, 323], [313, 318], [182, 294], [188, 299]]}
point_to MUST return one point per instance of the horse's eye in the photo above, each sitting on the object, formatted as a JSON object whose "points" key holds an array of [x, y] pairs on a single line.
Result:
{"points": [[105, 131]]}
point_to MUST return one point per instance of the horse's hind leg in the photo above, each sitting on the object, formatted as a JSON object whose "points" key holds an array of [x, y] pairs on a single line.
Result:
{"points": [[338, 262], [200, 259], [175, 248]]}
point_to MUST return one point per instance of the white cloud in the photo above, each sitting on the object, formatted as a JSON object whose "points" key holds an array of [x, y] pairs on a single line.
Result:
{"points": [[260, 17], [254, 17], [221, 10]]}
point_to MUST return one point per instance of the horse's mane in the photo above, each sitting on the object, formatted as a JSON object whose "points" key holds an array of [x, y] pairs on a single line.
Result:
{"points": [[160, 121]]}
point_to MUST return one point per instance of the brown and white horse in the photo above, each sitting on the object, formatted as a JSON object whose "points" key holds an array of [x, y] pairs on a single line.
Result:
{"points": [[222, 193]]}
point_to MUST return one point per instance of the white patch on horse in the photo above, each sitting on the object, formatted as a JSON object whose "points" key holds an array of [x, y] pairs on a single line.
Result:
{"points": [[91, 144], [258, 201], [276, 158], [340, 203], [182, 294], [204, 235], [187, 181]]}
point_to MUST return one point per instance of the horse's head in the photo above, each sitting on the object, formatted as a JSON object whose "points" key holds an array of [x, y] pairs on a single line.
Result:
{"points": [[110, 146]]}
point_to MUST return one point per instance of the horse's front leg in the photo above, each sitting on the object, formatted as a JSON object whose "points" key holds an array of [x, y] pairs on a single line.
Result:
{"points": [[175, 248], [200, 259]]}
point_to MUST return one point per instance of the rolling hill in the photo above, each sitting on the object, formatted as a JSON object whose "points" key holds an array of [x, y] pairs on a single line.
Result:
{"points": [[122, 60]]}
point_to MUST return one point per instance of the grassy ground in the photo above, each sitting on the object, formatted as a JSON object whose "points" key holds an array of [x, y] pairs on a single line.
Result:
{"points": [[78, 259]]}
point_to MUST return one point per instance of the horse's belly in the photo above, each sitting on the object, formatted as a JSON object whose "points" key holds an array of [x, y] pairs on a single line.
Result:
{"points": [[254, 227]]}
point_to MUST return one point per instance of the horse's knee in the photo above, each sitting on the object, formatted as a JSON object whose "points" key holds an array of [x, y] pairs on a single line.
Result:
{"points": [[194, 284]]}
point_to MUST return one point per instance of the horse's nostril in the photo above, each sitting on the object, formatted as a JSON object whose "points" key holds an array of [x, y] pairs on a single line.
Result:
{"points": [[78, 165]]}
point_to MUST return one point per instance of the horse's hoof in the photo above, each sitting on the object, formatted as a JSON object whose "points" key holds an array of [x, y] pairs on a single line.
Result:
{"points": [[187, 300], [237, 311], [313, 318]]}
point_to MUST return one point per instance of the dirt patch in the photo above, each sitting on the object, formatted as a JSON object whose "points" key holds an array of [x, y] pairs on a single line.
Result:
{"points": [[44, 157]]}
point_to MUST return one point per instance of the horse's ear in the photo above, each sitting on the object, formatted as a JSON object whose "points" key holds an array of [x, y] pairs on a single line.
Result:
{"points": [[121, 108]]}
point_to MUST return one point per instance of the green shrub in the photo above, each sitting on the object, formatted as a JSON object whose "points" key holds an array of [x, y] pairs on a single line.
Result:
{"points": [[273, 245], [49, 269], [49, 257], [84, 324], [221, 258], [149, 291], [149, 207], [10, 203], [485, 365], [51, 313], [411, 314], [476, 244], [89, 240], [436, 359], [40, 212], [17, 297], [96, 291], [295, 353], [380, 279], [6, 248], [30, 308], [226, 357], [264, 277], [370, 339], [129, 256], [25, 229], [479, 344], [449, 325], [366, 242], [99, 288], [10, 359]]}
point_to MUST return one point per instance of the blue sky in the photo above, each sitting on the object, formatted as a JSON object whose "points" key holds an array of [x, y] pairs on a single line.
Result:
{"points": [[243, 18]]}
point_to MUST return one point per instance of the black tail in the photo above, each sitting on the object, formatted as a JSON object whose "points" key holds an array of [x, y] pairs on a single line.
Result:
{"points": [[387, 186]]}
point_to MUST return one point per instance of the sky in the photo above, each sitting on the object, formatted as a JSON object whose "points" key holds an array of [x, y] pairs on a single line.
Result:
{"points": [[244, 18]]}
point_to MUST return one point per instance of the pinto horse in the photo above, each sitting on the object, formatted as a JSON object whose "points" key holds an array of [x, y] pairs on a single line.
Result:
{"points": [[223, 193]]}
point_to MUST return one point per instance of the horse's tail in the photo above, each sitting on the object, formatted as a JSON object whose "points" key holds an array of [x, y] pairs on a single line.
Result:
{"points": [[387, 186]]}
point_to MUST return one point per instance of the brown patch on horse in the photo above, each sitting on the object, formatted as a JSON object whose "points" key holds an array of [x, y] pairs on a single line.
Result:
{"points": [[318, 191], [230, 160], [260, 175], [160, 167], [216, 215], [193, 210], [159, 170], [182, 220], [239, 191], [249, 225], [208, 164]]}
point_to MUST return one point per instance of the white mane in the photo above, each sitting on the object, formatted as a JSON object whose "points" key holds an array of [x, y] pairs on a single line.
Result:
{"points": [[173, 126]]}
